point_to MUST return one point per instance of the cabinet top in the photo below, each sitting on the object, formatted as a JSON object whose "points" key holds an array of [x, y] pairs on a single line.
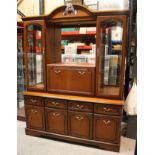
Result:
{"points": [[77, 98]]}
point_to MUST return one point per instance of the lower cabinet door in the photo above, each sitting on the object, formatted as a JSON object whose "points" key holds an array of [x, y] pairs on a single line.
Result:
{"points": [[56, 120], [107, 128], [80, 124], [35, 117]]}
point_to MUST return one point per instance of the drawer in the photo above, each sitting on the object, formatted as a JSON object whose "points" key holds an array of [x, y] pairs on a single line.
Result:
{"points": [[81, 106], [107, 109], [80, 124], [56, 103], [33, 100], [56, 120], [107, 128]]}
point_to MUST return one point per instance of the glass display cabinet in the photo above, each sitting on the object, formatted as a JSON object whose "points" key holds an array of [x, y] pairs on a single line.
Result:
{"points": [[34, 48], [111, 44], [75, 88]]}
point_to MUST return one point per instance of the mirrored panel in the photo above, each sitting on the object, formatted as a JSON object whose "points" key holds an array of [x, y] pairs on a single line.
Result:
{"points": [[110, 45], [35, 56]]}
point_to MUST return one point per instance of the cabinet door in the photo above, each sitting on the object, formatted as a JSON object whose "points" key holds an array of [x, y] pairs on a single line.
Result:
{"points": [[80, 125], [56, 120], [70, 80], [34, 47], [35, 117], [107, 128], [111, 49]]}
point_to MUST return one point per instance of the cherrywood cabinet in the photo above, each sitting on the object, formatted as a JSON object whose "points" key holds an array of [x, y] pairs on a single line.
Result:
{"points": [[56, 120], [72, 79], [35, 117], [107, 128], [80, 124], [94, 115]]}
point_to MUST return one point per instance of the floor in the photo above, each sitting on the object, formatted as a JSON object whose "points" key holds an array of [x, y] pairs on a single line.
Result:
{"points": [[29, 145]]}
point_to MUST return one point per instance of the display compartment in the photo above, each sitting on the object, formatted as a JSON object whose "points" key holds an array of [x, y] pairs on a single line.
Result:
{"points": [[71, 78], [34, 47], [111, 44]]}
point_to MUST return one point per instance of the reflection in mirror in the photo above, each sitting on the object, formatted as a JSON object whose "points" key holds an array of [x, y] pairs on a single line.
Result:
{"points": [[110, 59], [35, 56]]}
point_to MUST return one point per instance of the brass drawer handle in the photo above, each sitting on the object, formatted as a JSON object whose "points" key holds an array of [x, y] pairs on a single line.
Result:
{"points": [[33, 100], [79, 106], [57, 71], [106, 122], [79, 118], [81, 72], [55, 114], [34, 111], [107, 109], [55, 103]]}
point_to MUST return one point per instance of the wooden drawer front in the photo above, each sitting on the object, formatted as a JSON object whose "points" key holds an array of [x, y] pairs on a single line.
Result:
{"points": [[34, 100], [107, 128], [80, 125], [35, 117], [80, 106], [56, 103], [56, 120], [107, 109], [70, 80]]}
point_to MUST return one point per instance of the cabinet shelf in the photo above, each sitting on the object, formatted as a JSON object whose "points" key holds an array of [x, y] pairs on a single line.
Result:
{"points": [[80, 47], [78, 33]]}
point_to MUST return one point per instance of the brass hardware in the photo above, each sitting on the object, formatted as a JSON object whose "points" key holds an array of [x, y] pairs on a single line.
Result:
{"points": [[34, 111], [81, 72], [55, 103], [106, 122], [79, 118], [57, 71], [33, 100], [55, 114], [107, 109], [79, 106]]}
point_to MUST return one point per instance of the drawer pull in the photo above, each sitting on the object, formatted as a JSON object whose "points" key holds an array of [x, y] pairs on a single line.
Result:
{"points": [[55, 103], [79, 106], [34, 111], [33, 100], [79, 118], [107, 109], [81, 72], [106, 122], [55, 114], [57, 71]]}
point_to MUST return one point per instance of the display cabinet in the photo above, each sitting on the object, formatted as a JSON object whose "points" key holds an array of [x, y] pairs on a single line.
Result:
{"points": [[111, 45], [34, 47], [74, 51]]}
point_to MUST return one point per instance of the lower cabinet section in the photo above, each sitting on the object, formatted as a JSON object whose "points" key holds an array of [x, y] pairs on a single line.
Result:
{"points": [[80, 124], [78, 121], [35, 117], [56, 120], [107, 128]]}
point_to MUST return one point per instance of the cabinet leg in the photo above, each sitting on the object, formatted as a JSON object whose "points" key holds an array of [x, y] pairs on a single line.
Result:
{"points": [[115, 148]]}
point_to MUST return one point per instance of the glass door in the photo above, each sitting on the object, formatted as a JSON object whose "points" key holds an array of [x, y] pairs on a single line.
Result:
{"points": [[111, 44], [34, 47]]}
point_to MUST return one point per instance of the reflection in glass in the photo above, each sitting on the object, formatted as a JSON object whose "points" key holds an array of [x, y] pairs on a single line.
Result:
{"points": [[110, 58], [35, 56]]}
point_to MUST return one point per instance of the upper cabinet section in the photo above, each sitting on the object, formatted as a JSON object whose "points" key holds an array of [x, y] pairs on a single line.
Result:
{"points": [[34, 51], [111, 43]]}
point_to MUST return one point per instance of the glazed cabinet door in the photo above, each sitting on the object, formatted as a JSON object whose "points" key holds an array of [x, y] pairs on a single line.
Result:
{"points": [[80, 124], [35, 117], [107, 128], [56, 120], [34, 47], [111, 49]]}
